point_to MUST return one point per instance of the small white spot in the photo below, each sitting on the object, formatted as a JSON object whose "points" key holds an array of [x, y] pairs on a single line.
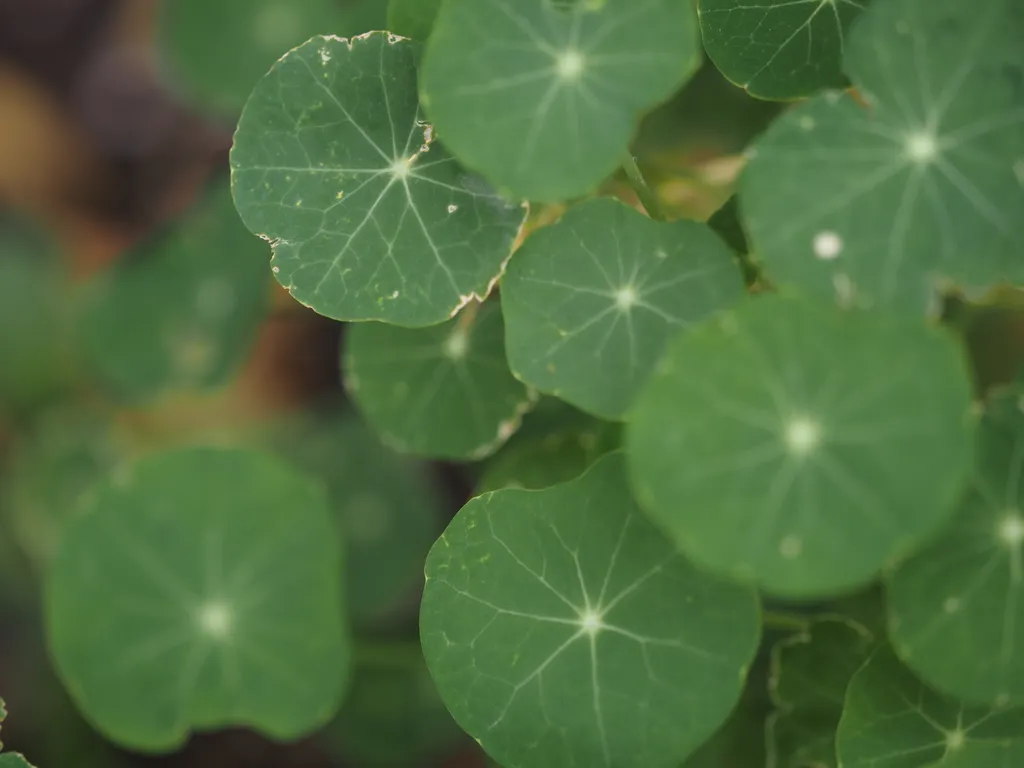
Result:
{"points": [[1011, 529], [660, 253], [570, 65], [921, 148], [400, 168], [453, 208], [591, 622], [215, 620], [827, 245], [954, 740], [457, 345], [807, 123], [275, 270], [802, 435], [340, 194], [394, 294], [325, 55], [951, 605], [790, 547], [625, 298]]}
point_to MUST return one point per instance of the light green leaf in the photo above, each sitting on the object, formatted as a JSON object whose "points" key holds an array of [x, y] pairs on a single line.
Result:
{"points": [[810, 673], [181, 311], [442, 391], [34, 296], [369, 219], [766, 443], [956, 609], [388, 507], [200, 589], [562, 628], [892, 720], [778, 49], [881, 205], [543, 100], [591, 300], [194, 37], [412, 18], [10, 759]]}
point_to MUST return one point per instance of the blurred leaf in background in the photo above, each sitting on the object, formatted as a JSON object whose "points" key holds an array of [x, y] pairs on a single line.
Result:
{"points": [[196, 36], [182, 310]]}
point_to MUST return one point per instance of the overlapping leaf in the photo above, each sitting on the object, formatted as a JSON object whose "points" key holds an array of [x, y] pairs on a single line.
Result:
{"points": [[810, 673], [387, 507], [220, 75], [562, 628], [778, 49], [181, 311], [956, 610], [880, 199], [591, 300], [369, 219], [442, 391], [892, 720], [202, 588], [770, 447], [542, 98]]}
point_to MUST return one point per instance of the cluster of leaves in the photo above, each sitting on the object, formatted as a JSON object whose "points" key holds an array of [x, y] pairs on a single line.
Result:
{"points": [[771, 410]]}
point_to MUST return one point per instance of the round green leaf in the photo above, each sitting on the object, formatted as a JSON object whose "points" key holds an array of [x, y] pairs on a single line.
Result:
{"points": [[200, 589], [562, 629], [412, 18], [772, 447], [878, 205], [591, 300], [369, 219], [542, 99], [181, 311], [778, 49], [388, 508], [220, 50], [443, 391], [892, 720], [956, 609]]}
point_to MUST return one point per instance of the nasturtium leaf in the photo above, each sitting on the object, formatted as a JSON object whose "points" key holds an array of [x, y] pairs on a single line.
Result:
{"points": [[443, 391], [778, 49], [590, 301], [770, 447], [10, 759], [884, 203], [201, 588], [562, 628], [892, 720], [388, 508], [368, 217], [182, 310], [220, 76], [540, 462], [810, 673], [393, 716], [543, 99], [956, 609], [34, 328], [412, 18]]}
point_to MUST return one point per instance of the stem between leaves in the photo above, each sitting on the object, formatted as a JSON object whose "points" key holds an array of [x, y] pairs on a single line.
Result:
{"points": [[646, 195]]}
